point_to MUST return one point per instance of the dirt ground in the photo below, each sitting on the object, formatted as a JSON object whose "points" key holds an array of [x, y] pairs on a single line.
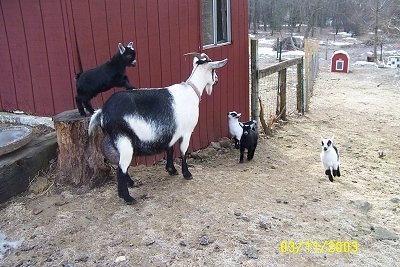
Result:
{"points": [[277, 210]]}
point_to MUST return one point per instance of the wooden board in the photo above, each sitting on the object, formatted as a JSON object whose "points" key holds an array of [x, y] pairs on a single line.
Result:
{"points": [[19, 167]]}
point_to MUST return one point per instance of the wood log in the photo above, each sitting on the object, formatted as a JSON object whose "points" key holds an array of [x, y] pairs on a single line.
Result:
{"points": [[21, 166], [80, 161]]}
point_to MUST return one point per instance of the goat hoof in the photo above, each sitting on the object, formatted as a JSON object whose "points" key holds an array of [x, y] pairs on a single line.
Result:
{"points": [[331, 178], [240, 161], [130, 200], [172, 172], [188, 176]]}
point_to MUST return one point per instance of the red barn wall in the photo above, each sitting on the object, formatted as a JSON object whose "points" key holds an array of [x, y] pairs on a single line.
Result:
{"points": [[45, 43]]}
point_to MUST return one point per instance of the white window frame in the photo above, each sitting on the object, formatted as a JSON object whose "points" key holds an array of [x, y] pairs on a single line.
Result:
{"points": [[215, 26], [337, 64]]}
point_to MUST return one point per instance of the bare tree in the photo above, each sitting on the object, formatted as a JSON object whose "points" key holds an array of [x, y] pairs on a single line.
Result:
{"points": [[376, 29], [356, 16], [393, 24], [315, 7]]}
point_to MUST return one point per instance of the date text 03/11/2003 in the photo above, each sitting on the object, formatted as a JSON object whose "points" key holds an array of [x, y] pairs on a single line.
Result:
{"points": [[329, 246]]}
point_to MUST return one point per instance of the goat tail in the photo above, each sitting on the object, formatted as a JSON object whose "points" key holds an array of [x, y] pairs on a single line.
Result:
{"points": [[95, 120]]}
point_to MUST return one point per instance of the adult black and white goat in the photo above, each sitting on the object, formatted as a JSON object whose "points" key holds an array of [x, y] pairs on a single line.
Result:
{"points": [[104, 77], [330, 158], [236, 127], [149, 121]]}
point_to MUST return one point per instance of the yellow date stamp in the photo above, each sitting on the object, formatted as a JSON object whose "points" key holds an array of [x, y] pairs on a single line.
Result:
{"points": [[326, 246]]}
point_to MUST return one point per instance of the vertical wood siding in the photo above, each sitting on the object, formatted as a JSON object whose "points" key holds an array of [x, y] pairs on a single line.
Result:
{"points": [[44, 43]]}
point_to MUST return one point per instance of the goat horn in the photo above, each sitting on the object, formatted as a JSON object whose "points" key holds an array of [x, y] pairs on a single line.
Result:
{"points": [[198, 55]]}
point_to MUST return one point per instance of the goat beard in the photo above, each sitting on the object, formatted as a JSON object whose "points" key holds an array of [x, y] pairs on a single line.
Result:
{"points": [[209, 89]]}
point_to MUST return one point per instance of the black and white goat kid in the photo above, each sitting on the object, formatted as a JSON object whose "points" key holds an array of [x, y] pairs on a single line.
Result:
{"points": [[104, 77], [248, 140], [236, 127], [330, 158], [149, 121]]}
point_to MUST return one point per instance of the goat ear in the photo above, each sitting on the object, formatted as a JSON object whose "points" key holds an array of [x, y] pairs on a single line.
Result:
{"points": [[218, 64], [333, 136], [322, 139], [121, 48], [239, 114], [130, 45]]}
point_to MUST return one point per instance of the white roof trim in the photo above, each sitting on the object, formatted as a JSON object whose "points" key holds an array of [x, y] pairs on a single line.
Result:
{"points": [[341, 52]]}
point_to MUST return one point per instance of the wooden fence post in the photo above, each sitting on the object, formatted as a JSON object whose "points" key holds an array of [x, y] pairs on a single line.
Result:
{"points": [[282, 93], [255, 111], [300, 88], [310, 69]]}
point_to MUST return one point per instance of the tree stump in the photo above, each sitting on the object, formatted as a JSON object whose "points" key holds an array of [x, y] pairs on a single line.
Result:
{"points": [[80, 161]]}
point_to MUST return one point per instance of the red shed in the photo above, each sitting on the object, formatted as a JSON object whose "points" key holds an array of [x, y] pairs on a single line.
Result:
{"points": [[45, 43], [340, 61]]}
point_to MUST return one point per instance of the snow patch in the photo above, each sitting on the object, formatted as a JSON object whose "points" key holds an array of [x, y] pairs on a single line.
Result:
{"points": [[268, 51], [341, 43], [20, 118], [363, 63], [343, 34]]}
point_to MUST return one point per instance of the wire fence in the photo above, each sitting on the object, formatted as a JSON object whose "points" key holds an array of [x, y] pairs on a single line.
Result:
{"points": [[311, 68], [284, 88], [269, 93]]}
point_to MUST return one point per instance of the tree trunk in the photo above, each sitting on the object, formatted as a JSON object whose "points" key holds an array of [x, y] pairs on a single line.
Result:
{"points": [[376, 31], [80, 161], [256, 15]]}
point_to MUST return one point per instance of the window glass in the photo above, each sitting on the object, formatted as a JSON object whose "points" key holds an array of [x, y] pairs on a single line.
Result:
{"points": [[339, 64], [207, 21], [216, 22]]}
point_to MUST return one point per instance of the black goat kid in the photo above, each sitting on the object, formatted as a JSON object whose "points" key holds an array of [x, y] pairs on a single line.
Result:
{"points": [[248, 141], [104, 77]]}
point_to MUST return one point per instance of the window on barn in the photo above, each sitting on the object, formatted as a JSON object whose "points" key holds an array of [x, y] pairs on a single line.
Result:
{"points": [[339, 64], [216, 22]]}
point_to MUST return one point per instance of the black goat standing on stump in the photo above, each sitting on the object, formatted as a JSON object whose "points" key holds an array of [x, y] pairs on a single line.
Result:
{"points": [[111, 74]]}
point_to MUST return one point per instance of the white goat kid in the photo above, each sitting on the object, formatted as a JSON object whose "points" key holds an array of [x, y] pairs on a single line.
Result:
{"points": [[236, 127], [330, 158], [145, 122]]}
